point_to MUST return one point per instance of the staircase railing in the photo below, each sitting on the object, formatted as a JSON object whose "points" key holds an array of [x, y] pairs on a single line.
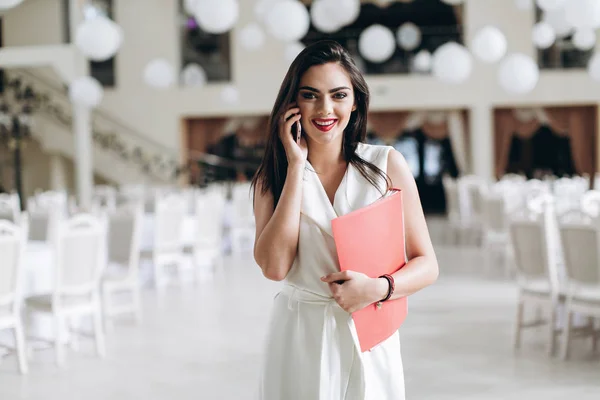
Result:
{"points": [[109, 133]]}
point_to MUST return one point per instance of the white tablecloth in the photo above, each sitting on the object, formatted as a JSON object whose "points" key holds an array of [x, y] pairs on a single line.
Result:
{"points": [[188, 231]]}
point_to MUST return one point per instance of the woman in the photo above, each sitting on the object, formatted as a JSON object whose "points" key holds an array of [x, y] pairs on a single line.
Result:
{"points": [[316, 167]]}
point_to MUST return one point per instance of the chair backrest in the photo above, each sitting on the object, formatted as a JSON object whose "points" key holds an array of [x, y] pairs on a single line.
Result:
{"points": [[80, 255], [125, 236], [531, 251], [241, 197], [452, 201], [170, 213], [590, 202], [493, 212], [12, 251], [9, 207], [580, 241], [210, 214]]}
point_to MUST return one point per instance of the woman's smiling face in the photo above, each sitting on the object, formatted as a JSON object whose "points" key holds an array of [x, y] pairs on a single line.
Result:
{"points": [[326, 101]]}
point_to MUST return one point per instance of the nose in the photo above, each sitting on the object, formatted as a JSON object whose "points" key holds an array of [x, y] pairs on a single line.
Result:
{"points": [[325, 107]]}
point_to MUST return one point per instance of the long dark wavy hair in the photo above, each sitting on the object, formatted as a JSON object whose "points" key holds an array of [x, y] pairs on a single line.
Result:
{"points": [[272, 172]]}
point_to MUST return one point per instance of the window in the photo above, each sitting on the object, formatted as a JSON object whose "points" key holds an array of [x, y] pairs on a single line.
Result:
{"points": [[199, 48], [439, 23], [103, 71], [563, 53]]}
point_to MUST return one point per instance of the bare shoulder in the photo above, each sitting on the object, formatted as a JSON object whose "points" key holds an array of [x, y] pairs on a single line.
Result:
{"points": [[398, 170]]}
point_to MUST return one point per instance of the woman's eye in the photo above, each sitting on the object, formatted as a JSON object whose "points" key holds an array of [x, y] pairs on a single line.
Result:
{"points": [[307, 95], [340, 95]]}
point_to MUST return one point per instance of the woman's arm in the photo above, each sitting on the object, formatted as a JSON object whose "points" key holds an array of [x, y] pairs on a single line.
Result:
{"points": [[359, 290], [278, 228], [422, 267]]}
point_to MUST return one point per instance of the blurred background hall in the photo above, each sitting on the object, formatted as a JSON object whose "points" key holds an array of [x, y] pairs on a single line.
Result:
{"points": [[129, 132]]}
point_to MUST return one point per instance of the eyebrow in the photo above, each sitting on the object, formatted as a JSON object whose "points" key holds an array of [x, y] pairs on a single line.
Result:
{"points": [[312, 89]]}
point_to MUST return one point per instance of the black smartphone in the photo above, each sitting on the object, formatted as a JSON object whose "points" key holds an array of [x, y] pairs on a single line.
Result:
{"points": [[295, 133]]}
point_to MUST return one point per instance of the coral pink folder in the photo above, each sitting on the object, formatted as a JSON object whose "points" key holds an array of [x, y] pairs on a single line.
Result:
{"points": [[371, 240]]}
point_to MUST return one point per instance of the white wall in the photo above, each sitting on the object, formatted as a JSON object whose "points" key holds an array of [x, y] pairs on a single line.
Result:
{"points": [[151, 30]]}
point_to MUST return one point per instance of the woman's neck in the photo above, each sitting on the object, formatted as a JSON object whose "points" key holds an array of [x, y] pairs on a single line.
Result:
{"points": [[326, 157]]}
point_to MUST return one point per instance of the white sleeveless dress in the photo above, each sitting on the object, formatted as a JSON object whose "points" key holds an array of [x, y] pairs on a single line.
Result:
{"points": [[311, 349]]}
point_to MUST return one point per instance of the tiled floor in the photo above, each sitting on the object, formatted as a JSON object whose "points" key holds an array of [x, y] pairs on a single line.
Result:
{"points": [[204, 342]]}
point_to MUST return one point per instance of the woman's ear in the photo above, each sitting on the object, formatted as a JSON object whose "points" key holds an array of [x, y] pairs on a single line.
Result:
{"points": [[354, 108]]}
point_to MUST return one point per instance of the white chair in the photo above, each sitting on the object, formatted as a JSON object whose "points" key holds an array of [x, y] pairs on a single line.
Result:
{"points": [[590, 202], [122, 272], [10, 208], [495, 238], [243, 228], [105, 196], [12, 248], [581, 244], [452, 209], [207, 248], [80, 261], [168, 247], [537, 277]]}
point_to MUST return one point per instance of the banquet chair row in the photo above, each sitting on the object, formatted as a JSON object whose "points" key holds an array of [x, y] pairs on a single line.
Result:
{"points": [[558, 268]]}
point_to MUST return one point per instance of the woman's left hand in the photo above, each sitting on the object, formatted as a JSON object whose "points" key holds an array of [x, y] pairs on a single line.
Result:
{"points": [[357, 291]]}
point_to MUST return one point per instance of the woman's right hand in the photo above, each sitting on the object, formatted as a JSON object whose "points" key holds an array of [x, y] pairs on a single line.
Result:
{"points": [[296, 149]]}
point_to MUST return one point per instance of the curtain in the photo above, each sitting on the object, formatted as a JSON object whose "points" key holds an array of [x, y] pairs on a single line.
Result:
{"points": [[576, 123]]}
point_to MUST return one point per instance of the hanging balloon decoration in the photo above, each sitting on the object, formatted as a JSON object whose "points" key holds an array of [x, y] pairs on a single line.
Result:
{"points": [[291, 51], [193, 75], [422, 61], [251, 37], [583, 14], [99, 38], [324, 16], [347, 11], [594, 67], [452, 63], [6, 4], [543, 35], [216, 16], [518, 74], [288, 20], [377, 43], [159, 73], [86, 91], [489, 44], [549, 5], [409, 36], [230, 95], [557, 20], [584, 39]]}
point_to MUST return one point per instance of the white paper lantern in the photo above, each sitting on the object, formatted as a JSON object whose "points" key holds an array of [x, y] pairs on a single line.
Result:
{"points": [[324, 17], [193, 75], [262, 8], [524, 5], [288, 20], [6, 4], [376, 43], [291, 51], [452, 63], [98, 38], [558, 22], [422, 61], [159, 73], [230, 95], [543, 35], [583, 14], [216, 16], [584, 39], [409, 36], [548, 5], [518, 74], [489, 44], [453, 2], [347, 11], [594, 67], [86, 91], [251, 37]]}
